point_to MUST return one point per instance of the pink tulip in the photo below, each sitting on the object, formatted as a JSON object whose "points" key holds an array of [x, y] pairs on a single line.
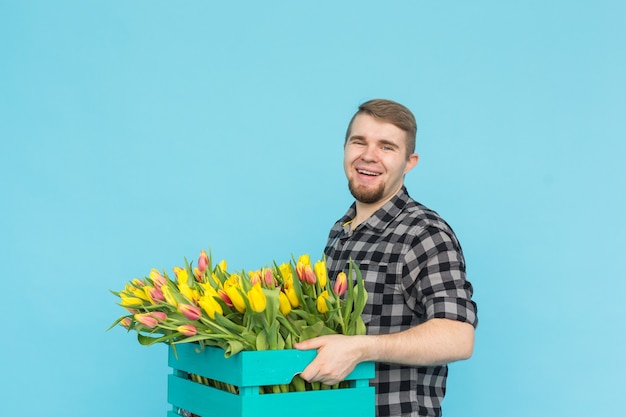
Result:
{"points": [[159, 315], [157, 279], [190, 311], [157, 294], [187, 329], [203, 261], [224, 296], [126, 322], [270, 281], [255, 277], [146, 319], [306, 274], [341, 284]]}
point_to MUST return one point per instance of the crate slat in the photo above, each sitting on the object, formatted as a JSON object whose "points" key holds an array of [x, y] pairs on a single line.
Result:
{"points": [[250, 369]]}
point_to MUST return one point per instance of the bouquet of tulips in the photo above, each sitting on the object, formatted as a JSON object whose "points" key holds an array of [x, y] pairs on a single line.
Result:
{"points": [[269, 308]]}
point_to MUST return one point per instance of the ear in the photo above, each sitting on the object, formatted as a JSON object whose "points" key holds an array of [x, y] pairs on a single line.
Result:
{"points": [[411, 162]]}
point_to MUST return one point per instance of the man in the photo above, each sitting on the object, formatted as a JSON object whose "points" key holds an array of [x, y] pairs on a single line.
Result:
{"points": [[419, 315]]}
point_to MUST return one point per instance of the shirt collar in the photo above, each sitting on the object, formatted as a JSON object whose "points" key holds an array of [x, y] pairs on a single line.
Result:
{"points": [[384, 215]]}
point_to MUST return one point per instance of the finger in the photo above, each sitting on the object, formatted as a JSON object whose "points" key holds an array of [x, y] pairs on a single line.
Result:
{"points": [[310, 373], [308, 344]]}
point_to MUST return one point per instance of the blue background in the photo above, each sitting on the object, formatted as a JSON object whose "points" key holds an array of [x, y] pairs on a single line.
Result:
{"points": [[136, 133]]}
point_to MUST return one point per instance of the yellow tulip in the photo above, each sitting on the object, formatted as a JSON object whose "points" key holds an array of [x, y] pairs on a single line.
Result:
{"points": [[320, 271], [189, 293], [322, 302], [210, 306], [284, 303], [304, 259], [130, 301], [236, 298], [222, 265], [257, 299], [207, 289], [216, 280], [167, 293], [291, 294], [285, 272], [181, 274]]}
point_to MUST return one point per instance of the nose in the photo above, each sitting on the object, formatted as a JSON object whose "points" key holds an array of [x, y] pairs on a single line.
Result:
{"points": [[369, 154]]}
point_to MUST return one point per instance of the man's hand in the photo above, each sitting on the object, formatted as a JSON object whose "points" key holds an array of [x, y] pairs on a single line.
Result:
{"points": [[435, 342], [337, 355]]}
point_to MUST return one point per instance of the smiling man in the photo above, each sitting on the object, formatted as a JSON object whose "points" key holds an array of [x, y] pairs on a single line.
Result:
{"points": [[419, 314]]}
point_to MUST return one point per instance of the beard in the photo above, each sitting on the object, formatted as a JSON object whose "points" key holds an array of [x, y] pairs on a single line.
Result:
{"points": [[366, 195]]}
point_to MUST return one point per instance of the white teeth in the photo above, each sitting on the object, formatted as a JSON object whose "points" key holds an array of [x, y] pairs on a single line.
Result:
{"points": [[362, 171]]}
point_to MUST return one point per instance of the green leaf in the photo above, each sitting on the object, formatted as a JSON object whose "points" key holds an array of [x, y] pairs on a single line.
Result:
{"points": [[261, 341], [233, 348], [318, 329]]}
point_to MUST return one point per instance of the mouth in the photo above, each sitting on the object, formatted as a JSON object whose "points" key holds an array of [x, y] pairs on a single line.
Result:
{"points": [[368, 173]]}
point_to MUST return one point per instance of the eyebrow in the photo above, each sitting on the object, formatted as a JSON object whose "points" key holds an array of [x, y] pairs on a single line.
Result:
{"points": [[380, 141]]}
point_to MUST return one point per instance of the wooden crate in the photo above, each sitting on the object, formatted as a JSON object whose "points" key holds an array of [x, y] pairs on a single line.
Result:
{"points": [[252, 369]]}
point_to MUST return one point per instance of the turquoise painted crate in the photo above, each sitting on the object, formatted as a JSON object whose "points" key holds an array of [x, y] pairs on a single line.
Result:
{"points": [[251, 369]]}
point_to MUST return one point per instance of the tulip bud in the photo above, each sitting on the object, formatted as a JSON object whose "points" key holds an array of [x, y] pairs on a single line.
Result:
{"points": [[257, 299], [341, 284], [146, 319], [127, 301], [286, 272], [255, 277], [222, 265], [270, 281], [157, 279], [167, 293], [224, 296], [320, 271], [156, 294], [203, 261], [181, 274], [322, 302], [304, 271], [236, 298], [126, 322], [309, 275], [187, 329], [290, 292], [284, 304], [190, 311], [210, 306], [159, 315]]}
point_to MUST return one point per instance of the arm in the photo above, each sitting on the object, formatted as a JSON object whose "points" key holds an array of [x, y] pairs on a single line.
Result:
{"points": [[435, 342]]}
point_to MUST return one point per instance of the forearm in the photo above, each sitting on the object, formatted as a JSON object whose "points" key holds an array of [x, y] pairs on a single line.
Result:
{"points": [[435, 342]]}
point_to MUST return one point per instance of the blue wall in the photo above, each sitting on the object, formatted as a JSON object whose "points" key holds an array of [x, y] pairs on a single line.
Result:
{"points": [[134, 134]]}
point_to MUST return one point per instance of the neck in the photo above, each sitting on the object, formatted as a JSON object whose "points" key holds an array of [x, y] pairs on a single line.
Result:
{"points": [[365, 210]]}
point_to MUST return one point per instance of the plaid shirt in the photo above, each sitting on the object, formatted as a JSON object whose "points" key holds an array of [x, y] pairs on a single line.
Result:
{"points": [[414, 271]]}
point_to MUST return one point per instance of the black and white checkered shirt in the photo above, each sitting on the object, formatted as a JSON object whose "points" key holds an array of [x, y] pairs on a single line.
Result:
{"points": [[414, 271]]}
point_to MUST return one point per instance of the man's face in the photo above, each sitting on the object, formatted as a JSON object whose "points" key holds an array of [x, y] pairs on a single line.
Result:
{"points": [[375, 159]]}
